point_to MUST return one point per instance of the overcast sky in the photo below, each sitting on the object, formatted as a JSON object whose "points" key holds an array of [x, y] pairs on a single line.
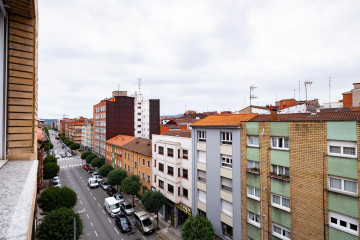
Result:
{"points": [[200, 55]]}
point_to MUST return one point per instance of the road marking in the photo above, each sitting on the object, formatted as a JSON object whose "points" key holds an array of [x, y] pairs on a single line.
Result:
{"points": [[91, 193], [85, 185], [109, 220], [103, 211], [82, 180], [88, 188], [80, 201], [144, 238], [96, 234], [87, 216], [91, 224], [95, 198], [78, 197], [116, 231], [99, 204]]}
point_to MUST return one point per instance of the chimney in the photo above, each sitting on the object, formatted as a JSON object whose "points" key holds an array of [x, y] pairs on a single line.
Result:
{"points": [[148, 142], [273, 114], [137, 140]]}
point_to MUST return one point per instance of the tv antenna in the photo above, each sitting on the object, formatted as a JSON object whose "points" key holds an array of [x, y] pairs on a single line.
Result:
{"points": [[118, 87], [252, 96], [139, 84], [329, 91]]}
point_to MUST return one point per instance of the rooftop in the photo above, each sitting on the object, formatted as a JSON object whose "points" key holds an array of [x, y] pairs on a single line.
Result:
{"points": [[178, 133], [120, 140], [301, 117], [225, 120], [139, 145]]}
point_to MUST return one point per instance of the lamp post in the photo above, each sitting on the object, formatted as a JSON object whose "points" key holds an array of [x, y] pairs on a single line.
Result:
{"points": [[78, 212]]}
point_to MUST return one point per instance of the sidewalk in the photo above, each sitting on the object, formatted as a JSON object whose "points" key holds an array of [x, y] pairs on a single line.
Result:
{"points": [[166, 232]]}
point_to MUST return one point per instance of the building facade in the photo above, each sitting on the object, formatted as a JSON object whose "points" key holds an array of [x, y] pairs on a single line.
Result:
{"points": [[89, 135], [172, 174], [216, 169], [75, 129], [83, 135]]}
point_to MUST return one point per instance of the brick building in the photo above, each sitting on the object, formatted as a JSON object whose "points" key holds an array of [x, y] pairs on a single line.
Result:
{"points": [[75, 129]]}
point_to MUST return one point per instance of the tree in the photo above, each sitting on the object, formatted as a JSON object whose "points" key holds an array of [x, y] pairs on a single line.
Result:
{"points": [[49, 159], [153, 202], [48, 146], [69, 142], [197, 227], [74, 146], [85, 154], [54, 198], [89, 158], [104, 170], [116, 176], [131, 185], [59, 224], [51, 170]]}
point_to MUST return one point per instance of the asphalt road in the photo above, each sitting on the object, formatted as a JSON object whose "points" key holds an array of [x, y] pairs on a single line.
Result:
{"points": [[97, 222]]}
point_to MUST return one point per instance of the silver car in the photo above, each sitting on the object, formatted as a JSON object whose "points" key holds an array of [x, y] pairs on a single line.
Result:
{"points": [[127, 208]]}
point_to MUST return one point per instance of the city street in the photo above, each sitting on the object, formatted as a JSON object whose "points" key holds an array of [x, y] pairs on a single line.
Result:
{"points": [[97, 222]]}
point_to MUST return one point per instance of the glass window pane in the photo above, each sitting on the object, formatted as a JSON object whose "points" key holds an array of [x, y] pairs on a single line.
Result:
{"points": [[251, 216], [277, 229], [287, 234], [250, 190], [274, 142], [349, 151], [286, 202], [333, 220], [286, 143], [257, 218], [335, 183], [350, 186], [335, 149], [281, 142], [342, 223], [287, 171], [276, 199], [353, 227], [257, 192]]}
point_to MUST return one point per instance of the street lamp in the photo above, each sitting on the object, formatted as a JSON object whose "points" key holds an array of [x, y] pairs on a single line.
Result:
{"points": [[78, 212]]}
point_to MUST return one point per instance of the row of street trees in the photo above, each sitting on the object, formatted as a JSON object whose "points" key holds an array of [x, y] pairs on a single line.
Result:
{"points": [[68, 142], [51, 168]]}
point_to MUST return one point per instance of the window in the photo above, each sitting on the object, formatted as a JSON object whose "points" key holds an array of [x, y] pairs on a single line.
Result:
{"points": [[202, 213], [226, 161], [254, 219], [280, 142], [135, 164], [343, 185], [281, 232], [179, 153], [143, 162], [201, 136], [170, 188], [161, 184], [148, 164], [227, 230], [185, 173], [179, 191], [344, 223], [161, 167], [280, 202], [161, 150], [170, 152], [148, 178], [253, 141], [201, 156], [185, 192], [143, 176], [252, 164], [185, 154], [226, 207], [202, 176], [202, 196], [280, 170], [154, 178], [154, 162], [226, 138], [226, 184], [179, 172], [170, 171], [342, 149], [253, 192]]}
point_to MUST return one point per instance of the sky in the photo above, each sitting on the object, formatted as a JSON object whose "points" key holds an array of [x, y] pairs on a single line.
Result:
{"points": [[198, 55]]}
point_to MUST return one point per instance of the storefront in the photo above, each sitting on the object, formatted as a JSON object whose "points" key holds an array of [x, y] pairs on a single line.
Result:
{"points": [[183, 212]]}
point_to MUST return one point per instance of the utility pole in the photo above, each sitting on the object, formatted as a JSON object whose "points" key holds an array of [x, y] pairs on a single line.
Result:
{"points": [[329, 92], [139, 84]]}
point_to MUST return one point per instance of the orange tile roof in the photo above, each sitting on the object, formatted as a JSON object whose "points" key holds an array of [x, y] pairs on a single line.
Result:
{"points": [[225, 120], [40, 136], [120, 140]]}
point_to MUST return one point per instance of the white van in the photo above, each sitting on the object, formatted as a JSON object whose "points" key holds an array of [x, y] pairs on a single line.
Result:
{"points": [[93, 183], [112, 206], [143, 222]]}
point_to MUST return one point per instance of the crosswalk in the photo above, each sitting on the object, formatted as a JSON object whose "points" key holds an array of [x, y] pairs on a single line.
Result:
{"points": [[70, 165], [65, 159]]}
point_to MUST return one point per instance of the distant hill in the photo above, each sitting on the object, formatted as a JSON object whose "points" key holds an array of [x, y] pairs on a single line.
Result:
{"points": [[49, 121], [178, 115]]}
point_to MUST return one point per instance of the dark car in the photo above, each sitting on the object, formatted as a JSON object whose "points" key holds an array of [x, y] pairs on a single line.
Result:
{"points": [[90, 170], [123, 223], [118, 197], [104, 185], [111, 191]]}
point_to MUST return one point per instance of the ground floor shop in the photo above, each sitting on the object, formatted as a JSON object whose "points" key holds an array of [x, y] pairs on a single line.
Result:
{"points": [[175, 213]]}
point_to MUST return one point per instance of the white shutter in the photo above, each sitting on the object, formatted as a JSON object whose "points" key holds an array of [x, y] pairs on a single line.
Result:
{"points": [[201, 174], [226, 182], [202, 196], [202, 156], [227, 208]]}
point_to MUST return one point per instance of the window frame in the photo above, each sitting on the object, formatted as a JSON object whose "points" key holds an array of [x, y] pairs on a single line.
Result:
{"points": [[253, 196], [225, 228], [226, 138], [169, 172], [224, 159], [277, 143], [342, 145], [252, 220], [161, 150], [168, 189], [342, 190], [162, 167], [168, 153], [280, 206], [201, 136], [253, 145], [282, 230], [161, 184], [344, 218]]}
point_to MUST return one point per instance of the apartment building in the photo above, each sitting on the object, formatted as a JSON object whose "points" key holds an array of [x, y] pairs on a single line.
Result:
{"points": [[216, 169], [300, 176], [63, 124], [18, 117], [172, 174], [133, 155], [123, 115], [89, 135], [75, 129], [83, 135]]}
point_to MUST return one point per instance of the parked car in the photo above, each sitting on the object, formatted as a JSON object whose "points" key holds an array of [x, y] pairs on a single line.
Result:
{"points": [[143, 222], [99, 178], [111, 191], [118, 197], [127, 208], [63, 155], [68, 154], [104, 185], [58, 185], [56, 180], [123, 223], [86, 166], [112, 206], [56, 177], [93, 183], [94, 174], [90, 170]]}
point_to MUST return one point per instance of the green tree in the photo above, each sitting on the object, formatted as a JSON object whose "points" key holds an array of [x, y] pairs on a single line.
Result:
{"points": [[89, 158], [49, 159], [59, 225], [131, 185], [116, 176], [153, 202], [97, 162], [69, 142], [197, 228], [85, 154], [54, 198], [93, 162], [104, 170], [51, 170], [48, 146], [74, 146]]}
